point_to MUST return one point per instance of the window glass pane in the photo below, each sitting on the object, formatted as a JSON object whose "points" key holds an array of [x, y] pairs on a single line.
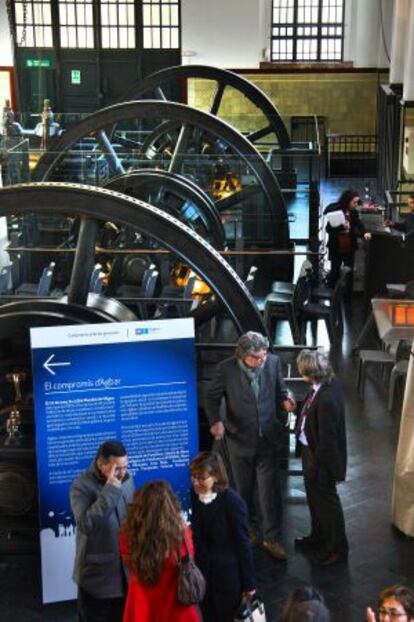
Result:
{"points": [[30, 40], [123, 15], [146, 15], [39, 36], [147, 39], [48, 38], [155, 16], [165, 38], [90, 39], [123, 37], [175, 38], [72, 43], [165, 16], [105, 36], [156, 38], [113, 14], [29, 14], [104, 15]]}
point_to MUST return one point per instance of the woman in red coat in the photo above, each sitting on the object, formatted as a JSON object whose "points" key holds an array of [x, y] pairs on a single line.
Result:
{"points": [[150, 541]]}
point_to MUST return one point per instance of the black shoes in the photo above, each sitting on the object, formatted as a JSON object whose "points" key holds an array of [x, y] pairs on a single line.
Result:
{"points": [[306, 543]]}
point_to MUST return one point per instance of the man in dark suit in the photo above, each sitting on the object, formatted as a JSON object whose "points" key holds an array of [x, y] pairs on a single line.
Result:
{"points": [[322, 441], [252, 384]]}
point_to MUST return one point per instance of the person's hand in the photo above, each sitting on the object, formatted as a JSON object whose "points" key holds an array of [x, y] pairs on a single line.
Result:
{"points": [[110, 474], [248, 594], [370, 615], [367, 236], [289, 404], [217, 430]]}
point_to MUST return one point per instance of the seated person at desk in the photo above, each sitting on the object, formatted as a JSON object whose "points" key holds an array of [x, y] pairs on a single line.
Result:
{"points": [[406, 225], [344, 226]]}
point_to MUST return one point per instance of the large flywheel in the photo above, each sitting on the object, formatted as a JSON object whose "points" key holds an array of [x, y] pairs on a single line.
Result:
{"points": [[167, 84], [191, 143], [95, 206]]}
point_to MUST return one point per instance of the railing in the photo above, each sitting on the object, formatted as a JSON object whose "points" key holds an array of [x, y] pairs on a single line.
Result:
{"points": [[352, 154]]}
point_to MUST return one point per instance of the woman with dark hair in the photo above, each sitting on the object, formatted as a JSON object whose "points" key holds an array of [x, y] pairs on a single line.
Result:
{"points": [[222, 545], [395, 603], [151, 543], [344, 226], [320, 431]]}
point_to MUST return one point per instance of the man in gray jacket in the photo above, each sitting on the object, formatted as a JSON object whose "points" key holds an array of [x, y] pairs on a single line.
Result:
{"points": [[99, 499], [252, 384]]}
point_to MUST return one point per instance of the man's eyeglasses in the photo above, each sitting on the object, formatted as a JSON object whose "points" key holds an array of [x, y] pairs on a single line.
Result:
{"points": [[393, 614]]}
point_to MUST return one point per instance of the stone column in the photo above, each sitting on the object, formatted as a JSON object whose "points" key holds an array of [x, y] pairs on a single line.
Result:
{"points": [[366, 32], [399, 40], [408, 89]]}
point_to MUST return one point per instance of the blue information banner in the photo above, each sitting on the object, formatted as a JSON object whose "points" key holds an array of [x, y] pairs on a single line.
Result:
{"points": [[133, 381]]}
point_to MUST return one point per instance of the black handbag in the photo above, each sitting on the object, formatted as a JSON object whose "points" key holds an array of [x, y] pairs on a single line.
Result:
{"points": [[191, 587]]}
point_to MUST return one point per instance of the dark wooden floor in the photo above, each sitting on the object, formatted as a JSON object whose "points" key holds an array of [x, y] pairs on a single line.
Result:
{"points": [[379, 555]]}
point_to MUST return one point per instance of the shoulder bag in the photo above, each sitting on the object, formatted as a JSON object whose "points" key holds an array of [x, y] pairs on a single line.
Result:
{"points": [[191, 587]]}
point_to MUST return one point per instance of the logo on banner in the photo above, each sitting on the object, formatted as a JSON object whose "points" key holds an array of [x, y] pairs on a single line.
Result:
{"points": [[146, 331]]}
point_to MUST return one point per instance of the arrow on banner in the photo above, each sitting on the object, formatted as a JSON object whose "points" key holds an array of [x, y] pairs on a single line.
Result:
{"points": [[48, 364]]}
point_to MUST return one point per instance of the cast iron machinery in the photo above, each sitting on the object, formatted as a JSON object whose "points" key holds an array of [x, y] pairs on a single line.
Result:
{"points": [[168, 84], [93, 208], [196, 142]]}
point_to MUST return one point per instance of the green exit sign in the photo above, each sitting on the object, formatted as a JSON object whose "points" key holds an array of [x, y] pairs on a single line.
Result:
{"points": [[75, 76], [36, 62]]}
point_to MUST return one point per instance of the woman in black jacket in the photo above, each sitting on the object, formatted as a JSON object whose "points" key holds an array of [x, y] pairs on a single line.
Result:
{"points": [[321, 434], [223, 550], [342, 239]]}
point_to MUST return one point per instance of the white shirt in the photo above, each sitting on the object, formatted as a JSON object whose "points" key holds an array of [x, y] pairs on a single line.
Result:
{"points": [[302, 435]]}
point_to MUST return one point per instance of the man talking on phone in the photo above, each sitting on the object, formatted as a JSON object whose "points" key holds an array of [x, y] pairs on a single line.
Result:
{"points": [[99, 499]]}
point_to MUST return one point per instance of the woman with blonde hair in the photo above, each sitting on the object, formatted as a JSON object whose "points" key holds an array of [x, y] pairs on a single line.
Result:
{"points": [[152, 543]]}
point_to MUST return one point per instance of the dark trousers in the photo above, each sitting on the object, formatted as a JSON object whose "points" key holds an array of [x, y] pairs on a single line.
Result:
{"points": [[91, 609], [263, 468], [327, 517], [337, 259]]}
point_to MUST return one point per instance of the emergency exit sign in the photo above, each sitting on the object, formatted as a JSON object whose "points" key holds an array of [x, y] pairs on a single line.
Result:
{"points": [[75, 76], [37, 62]]}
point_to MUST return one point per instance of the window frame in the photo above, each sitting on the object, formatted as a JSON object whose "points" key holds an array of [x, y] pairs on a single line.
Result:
{"points": [[294, 37], [59, 28]]}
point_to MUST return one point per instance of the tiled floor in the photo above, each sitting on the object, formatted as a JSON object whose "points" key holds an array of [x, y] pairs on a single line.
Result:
{"points": [[379, 555]]}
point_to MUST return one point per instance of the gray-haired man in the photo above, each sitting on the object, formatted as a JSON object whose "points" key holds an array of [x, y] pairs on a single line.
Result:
{"points": [[251, 383]]}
